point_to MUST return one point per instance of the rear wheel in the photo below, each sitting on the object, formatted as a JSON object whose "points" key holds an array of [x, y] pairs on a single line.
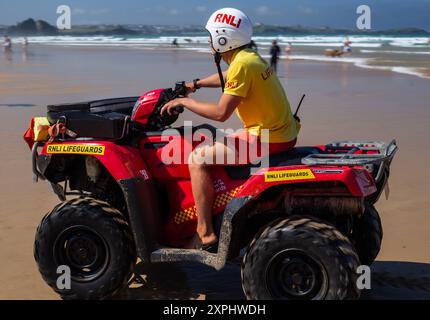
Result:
{"points": [[93, 240], [367, 235], [300, 258]]}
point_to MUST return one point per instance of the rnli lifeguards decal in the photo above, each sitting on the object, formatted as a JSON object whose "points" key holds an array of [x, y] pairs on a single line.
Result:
{"points": [[89, 149], [288, 175]]}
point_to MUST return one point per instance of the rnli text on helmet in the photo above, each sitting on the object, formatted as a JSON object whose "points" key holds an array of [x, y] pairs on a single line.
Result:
{"points": [[228, 19]]}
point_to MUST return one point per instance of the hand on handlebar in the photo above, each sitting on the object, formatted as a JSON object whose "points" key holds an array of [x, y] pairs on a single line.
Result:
{"points": [[173, 107], [190, 88]]}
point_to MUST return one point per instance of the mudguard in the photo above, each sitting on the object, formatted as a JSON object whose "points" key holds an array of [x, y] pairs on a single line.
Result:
{"points": [[123, 162], [358, 181], [129, 170]]}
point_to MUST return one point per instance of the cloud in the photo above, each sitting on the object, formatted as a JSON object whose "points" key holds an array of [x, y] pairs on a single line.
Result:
{"points": [[263, 11], [306, 10], [100, 11], [95, 12], [78, 11], [173, 12], [201, 9]]}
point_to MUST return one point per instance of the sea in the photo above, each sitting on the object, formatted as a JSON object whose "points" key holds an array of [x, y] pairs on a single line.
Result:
{"points": [[402, 54]]}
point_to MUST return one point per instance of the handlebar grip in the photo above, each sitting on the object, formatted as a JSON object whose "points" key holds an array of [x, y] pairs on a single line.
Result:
{"points": [[179, 109]]}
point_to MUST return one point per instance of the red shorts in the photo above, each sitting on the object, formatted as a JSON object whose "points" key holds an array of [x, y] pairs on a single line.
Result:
{"points": [[249, 148]]}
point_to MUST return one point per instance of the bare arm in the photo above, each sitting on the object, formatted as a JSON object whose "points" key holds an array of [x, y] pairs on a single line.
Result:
{"points": [[218, 112], [208, 82], [211, 81]]}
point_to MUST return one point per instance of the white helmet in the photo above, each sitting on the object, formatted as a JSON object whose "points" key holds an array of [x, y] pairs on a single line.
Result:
{"points": [[229, 29]]}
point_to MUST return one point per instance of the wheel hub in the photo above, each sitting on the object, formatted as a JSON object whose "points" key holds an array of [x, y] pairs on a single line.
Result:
{"points": [[84, 251], [292, 274]]}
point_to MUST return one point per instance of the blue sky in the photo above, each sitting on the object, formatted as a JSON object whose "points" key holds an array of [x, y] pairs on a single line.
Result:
{"points": [[333, 13]]}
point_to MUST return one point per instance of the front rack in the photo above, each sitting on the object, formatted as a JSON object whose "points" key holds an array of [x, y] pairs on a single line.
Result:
{"points": [[383, 154]]}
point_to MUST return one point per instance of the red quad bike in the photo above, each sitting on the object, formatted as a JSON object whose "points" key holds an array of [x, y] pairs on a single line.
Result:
{"points": [[303, 224]]}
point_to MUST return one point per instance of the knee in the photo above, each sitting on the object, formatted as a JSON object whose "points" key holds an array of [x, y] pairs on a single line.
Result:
{"points": [[195, 167]]}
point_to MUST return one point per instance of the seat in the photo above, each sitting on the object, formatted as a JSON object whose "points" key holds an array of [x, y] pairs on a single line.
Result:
{"points": [[122, 105], [109, 125], [286, 158], [100, 119]]}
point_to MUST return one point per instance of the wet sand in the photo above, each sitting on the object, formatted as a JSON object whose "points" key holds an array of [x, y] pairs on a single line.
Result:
{"points": [[343, 102]]}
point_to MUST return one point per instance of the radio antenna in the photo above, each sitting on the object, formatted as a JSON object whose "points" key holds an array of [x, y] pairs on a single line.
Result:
{"points": [[298, 107]]}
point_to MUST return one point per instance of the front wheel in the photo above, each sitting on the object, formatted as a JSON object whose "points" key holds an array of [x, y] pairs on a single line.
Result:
{"points": [[90, 238], [300, 258]]}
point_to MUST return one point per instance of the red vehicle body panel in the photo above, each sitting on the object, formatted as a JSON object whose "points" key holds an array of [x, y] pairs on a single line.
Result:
{"points": [[123, 162]]}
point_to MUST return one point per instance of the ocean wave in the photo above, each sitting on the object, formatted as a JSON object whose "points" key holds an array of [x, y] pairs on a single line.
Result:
{"points": [[395, 52], [360, 63], [316, 41]]}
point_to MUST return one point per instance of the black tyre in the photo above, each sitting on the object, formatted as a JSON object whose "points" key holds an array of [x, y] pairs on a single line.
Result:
{"points": [[367, 235], [300, 258], [91, 238]]}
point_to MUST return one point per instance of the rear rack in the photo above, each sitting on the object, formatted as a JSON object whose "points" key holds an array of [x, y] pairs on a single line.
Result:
{"points": [[349, 157]]}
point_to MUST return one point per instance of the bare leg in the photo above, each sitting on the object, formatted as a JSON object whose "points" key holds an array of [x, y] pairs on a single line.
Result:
{"points": [[203, 190]]}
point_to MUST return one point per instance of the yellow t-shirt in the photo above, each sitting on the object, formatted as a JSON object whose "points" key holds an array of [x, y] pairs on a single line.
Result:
{"points": [[264, 104]]}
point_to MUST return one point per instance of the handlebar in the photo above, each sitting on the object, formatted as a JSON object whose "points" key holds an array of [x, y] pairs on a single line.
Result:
{"points": [[179, 109], [180, 89]]}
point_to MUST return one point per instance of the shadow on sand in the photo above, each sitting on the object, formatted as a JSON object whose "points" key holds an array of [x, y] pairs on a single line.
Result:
{"points": [[183, 281]]}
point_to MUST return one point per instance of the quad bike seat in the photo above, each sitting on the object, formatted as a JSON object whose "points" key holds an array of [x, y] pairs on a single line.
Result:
{"points": [[100, 119], [286, 158], [120, 105]]}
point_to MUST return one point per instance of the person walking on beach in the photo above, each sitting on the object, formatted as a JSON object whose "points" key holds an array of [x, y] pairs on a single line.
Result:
{"points": [[346, 48], [254, 92], [25, 43], [7, 43], [288, 49], [275, 51]]}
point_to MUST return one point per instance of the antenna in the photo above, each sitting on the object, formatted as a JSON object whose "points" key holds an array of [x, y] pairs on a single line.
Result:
{"points": [[298, 107]]}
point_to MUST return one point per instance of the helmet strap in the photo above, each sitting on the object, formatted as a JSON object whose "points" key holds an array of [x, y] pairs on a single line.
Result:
{"points": [[217, 57]]}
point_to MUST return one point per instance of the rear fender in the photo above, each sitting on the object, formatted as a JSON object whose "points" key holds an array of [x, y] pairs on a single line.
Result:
{"points": [[357, 180], [358, 183]]}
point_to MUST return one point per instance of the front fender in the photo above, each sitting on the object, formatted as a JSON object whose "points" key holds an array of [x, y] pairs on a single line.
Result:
{"points": [[126, 166], [122, 162]]}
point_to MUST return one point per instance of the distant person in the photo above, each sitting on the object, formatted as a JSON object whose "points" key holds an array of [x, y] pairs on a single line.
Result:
{"points": [[288, 48], [253, 45], [175, 43], [346, 48], [25, 43], [7, 43], [275, 51]]}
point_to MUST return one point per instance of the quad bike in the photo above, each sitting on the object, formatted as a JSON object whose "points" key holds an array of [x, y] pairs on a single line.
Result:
{"points": [[301, 226]]}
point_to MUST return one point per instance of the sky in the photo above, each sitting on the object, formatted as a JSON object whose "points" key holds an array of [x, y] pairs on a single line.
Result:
{"points": [[385, 14]]}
